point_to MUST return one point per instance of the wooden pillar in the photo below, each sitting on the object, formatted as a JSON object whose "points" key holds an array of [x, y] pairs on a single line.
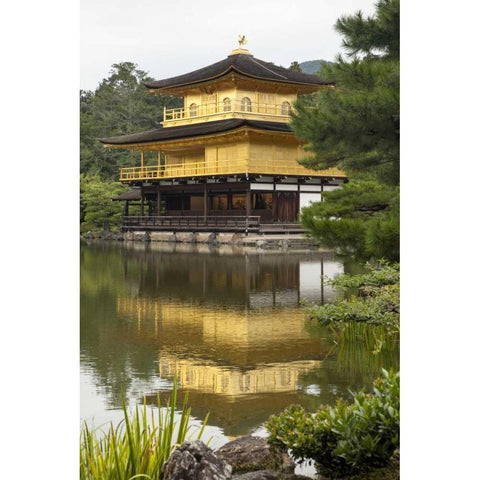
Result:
{"points": [[142, 197], [142, 158], [229, 200], [274, 203], [159, 207], [125, 209], [205, 202], [297, 206], [249, 201]]}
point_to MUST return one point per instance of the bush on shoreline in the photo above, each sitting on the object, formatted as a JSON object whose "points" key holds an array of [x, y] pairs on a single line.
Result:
{"points": [[349, 438], [371, 298]]}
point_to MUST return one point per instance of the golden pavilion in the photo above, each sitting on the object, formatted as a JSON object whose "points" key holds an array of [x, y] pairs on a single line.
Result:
{"points": [[228, 159]]}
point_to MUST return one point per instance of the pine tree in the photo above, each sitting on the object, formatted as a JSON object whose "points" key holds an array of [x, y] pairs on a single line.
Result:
{"points": [[356, 127]]}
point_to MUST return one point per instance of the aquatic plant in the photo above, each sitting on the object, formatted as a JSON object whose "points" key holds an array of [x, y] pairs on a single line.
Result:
{"points": [[136, 447], [348, 438]]}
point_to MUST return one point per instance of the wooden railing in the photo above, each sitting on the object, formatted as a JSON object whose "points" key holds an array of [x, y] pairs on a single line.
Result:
{"points": [[223, 167], [202, 110], [195, 223]]}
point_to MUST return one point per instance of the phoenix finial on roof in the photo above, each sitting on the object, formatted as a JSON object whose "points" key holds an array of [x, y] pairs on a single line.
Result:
{"points": [[241, 40]]}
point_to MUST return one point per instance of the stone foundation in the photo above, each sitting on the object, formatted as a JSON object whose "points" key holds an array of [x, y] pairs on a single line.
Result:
{"points": [[286, 241]]}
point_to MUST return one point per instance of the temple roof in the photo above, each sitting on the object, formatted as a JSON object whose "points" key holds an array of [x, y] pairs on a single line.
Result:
{"points": [[194, 130], [133, 194], [244, 64]]}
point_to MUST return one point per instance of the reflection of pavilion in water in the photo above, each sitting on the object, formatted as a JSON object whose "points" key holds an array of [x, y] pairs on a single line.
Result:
{"points": [[211, 378], [254, 281], [230, 329]]}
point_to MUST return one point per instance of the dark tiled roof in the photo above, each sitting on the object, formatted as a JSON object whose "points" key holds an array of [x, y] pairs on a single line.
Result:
{"points": [[133, 194], [185, 131], [244, 64]]}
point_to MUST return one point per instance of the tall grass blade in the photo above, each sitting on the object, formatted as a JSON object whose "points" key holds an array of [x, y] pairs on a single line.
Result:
{"points": [[138, 446]]}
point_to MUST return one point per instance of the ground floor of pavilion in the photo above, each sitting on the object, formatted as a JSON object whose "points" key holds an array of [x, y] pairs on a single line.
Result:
{"points": [[223, 204]]}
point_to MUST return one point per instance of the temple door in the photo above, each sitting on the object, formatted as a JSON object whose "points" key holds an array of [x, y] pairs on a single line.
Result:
{"points": [[287, 207]]}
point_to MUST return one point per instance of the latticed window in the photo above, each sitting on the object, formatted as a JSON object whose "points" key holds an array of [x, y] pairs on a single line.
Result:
{"points": [[286, 108], [246, 105], [193, 110], [227, 104]]}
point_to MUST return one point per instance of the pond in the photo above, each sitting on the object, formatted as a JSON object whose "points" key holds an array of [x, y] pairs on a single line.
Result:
{"points": [[230, 325]]}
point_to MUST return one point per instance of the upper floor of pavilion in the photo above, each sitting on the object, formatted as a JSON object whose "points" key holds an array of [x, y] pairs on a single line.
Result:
{"points": [[240, 86]]}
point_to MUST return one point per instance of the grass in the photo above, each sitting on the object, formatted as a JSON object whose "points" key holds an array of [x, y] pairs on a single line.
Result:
{"points": [[135, 448]]}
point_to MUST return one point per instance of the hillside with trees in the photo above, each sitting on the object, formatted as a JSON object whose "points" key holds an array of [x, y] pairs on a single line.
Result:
{"points": [[314, 66]]}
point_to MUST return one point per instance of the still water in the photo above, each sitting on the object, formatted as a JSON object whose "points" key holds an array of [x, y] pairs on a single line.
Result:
{"points": [[230, 325]]}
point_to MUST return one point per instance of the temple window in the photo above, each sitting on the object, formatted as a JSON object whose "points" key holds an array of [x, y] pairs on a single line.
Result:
{"points": [[227, 104], [193, 110], [219, 202], [262, 201], [246, 105], [239, 201], [286, 108]]}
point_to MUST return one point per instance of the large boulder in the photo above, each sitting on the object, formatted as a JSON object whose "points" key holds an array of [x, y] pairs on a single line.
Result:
{"points": [[250, 454], [195, 461]]}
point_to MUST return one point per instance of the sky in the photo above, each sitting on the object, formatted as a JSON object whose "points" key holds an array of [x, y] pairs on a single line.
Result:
{"points": [[168, 38]]}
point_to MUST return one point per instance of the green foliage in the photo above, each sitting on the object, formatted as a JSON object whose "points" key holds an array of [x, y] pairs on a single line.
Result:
{"points": [[372, 36], [348, 438], [295, 66], [380, 307], [363, 349], [377, 275], [361, 218], [375, 301], [137, 446], [356, 127], [120, 105], [97, 210], [314, 66]]}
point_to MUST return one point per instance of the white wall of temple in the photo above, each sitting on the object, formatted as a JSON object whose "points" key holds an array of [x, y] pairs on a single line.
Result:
{"points": [[306, 199]]}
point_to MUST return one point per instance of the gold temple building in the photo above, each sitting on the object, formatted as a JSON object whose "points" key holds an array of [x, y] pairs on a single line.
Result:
{"points": [[228, 159]]}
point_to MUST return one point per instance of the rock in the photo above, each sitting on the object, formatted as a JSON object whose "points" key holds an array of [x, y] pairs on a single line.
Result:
{"points": [[268, 475], [195, 461], [206, 237], [163, 237], [186, 237], [258, 475], [249, 454], [228, 238], [129, 236]]}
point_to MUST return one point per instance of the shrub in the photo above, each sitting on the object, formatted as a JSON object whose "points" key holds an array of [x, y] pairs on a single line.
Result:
{"points": [[345, 439], [376, 299]]}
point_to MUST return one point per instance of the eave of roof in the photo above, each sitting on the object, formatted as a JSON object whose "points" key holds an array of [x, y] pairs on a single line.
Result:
{"points": [[133, 194], [194, 130], [246, 65]]}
